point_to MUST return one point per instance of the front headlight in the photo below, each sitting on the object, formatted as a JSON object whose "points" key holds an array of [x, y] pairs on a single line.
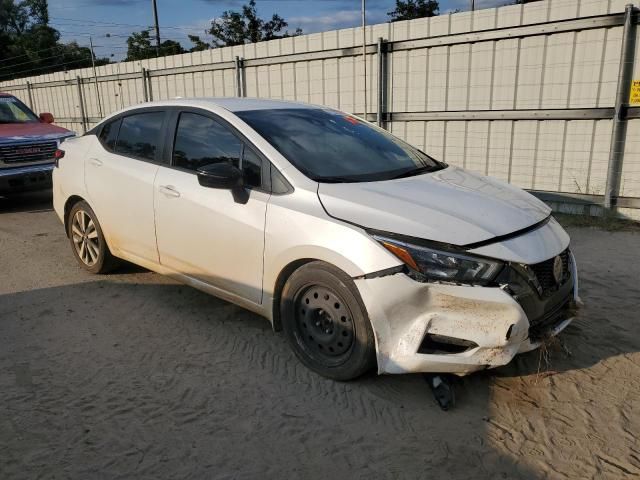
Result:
{"points": [[439, 265]]}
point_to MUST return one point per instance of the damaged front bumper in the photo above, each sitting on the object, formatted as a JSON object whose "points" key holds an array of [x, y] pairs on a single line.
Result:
{"points": [[431, 327]]}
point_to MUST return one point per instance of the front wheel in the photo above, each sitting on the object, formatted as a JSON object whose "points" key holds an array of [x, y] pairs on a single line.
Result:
{"points": [[326, 323], [87, 240]]}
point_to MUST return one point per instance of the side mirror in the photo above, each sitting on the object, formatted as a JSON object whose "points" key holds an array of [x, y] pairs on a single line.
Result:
{"points": [[46, 117], [220, 175]]}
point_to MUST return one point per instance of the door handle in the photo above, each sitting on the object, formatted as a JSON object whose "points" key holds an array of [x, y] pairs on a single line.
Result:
{"points": [[169, 191], [95, 162]]}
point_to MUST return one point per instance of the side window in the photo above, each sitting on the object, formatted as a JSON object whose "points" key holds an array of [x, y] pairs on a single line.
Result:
{"points": [[140, 135], [278, 183], [109, 134], [252, 168], [201, 141]]}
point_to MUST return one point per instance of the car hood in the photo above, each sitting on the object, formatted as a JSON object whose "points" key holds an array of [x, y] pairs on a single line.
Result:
{"points": [[452, 206], [32, 131]]}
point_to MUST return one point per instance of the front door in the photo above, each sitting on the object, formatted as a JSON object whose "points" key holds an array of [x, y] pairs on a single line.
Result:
{"points": [[204, 232]]}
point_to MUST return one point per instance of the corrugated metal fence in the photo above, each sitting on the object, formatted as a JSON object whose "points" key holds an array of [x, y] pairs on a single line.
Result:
{"points": [[526, 93]]}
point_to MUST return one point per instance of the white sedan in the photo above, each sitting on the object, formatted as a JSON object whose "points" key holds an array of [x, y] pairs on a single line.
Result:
{"points": [[364, 250]]}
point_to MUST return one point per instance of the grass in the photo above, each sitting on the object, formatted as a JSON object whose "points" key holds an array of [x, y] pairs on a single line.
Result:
{"points": [[611, 224]]}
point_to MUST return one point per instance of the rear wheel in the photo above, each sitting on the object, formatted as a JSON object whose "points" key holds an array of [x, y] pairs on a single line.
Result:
{"points": [[87, 240], [326, 322]]}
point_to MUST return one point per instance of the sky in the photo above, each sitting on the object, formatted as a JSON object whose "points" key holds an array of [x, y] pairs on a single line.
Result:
{"points": [[110, 22]]}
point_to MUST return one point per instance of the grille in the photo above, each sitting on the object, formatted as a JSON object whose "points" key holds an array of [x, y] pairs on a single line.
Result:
{"points": [[32, 152], [544, 272], [549, 320]]}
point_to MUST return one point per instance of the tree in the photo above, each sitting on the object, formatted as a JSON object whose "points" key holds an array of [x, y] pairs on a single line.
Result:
{"points": [[29, 46], [198, 44], [238, 28], [139, 47], [410, 9]]}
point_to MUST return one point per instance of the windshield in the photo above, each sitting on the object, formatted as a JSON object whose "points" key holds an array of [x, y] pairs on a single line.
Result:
{"points": [[330, 146], [13, 110]]}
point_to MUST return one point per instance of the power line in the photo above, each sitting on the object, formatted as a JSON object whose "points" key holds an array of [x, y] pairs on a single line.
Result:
{"points": [[47, 66], [61, 55], [89, 34], [98, 23], [32, 61], [29, 53]]}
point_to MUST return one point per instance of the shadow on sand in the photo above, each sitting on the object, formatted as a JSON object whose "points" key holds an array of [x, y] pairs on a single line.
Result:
{"points": [[134, 376]]}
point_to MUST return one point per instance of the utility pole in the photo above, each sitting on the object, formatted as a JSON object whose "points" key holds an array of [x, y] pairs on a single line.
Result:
{"points": [[473, 5], [364, 53], [155, 21], [95, 76]]}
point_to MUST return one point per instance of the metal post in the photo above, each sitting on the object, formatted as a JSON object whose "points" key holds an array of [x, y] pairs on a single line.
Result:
{"points": [[381, 81], [619, 134], [239, 82], [145, 91], [473, 5], [364, 53], [80, 99], [155, 21], [149, 85], [95, 77], [30, 95]]}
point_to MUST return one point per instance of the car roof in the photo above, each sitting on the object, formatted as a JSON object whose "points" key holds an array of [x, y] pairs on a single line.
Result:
{"points": [[244, 104], [232, 104]]}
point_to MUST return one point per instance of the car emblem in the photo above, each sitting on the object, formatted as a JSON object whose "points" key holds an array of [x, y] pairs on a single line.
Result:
{"points": [[558, 269]]}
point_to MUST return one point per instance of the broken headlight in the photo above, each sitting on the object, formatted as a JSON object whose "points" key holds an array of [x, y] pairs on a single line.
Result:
{"points": [[442, 266]]}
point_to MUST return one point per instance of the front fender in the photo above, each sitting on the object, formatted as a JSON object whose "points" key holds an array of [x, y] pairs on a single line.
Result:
{"points": [[297, 228]]}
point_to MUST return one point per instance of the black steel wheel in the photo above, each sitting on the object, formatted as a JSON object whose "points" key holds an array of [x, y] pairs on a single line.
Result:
{"points": [[326, 323]]}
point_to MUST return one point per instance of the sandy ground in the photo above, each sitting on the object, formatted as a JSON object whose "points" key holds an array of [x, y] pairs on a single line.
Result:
{"points": [[133, 376]]}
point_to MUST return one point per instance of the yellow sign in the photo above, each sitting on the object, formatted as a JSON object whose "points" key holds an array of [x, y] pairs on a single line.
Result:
{"points": [[635, 93]]}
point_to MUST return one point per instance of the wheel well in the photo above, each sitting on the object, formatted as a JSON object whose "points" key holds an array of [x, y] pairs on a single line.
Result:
{"points": [[71, 201], [280, 282]]}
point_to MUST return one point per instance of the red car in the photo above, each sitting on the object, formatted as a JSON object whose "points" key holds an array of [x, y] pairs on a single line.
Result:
{"points": [[27, 146]]}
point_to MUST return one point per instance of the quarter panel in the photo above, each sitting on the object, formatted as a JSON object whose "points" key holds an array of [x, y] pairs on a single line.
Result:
{"points": [[68, 178]]}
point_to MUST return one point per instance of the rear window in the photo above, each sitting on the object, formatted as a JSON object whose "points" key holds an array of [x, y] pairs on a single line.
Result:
{"points": [[331, 146], [139, 135], [109, 134]]}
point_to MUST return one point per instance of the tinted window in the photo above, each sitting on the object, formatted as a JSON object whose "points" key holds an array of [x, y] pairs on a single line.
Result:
{"points": [[140, 135], [252, 168], [327, 145], [109, 134], [201, 141]]}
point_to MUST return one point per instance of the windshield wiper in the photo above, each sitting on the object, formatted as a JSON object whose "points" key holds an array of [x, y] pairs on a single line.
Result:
{"points": [[417, 171]]}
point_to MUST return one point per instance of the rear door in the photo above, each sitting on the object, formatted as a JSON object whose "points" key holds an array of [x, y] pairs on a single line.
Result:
{"points": [[119, 174], [204, 232]]}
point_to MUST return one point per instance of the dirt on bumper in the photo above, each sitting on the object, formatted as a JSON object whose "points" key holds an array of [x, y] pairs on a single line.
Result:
{"points": [[402, 311]]}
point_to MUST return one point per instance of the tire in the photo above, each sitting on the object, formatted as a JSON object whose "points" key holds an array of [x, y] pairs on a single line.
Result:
{"points": [[87, 240], [326, 323]]}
